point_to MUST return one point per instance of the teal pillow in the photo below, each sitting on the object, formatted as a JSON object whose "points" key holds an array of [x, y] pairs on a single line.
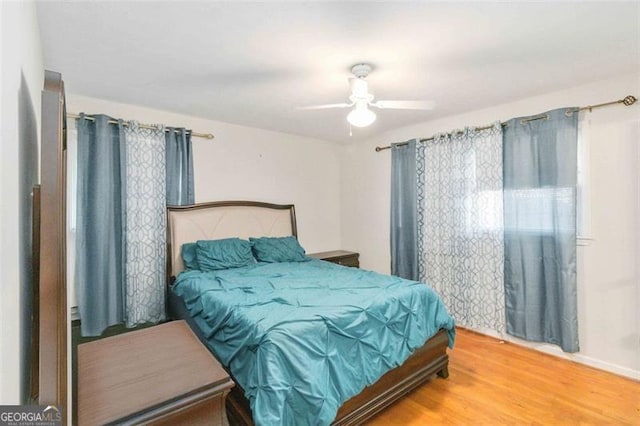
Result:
{"points": [[282, 249], [189, 256], [223, 254]]}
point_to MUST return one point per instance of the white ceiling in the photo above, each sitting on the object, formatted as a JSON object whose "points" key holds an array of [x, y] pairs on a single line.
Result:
{"points": [[253, 63]]}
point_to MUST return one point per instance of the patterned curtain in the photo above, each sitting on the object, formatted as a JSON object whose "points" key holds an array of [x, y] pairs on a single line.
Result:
{"points": [[145, 222], [460, 215]]}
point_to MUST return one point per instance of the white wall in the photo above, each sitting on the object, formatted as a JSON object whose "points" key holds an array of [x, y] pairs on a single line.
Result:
{"points": [[244, 163], [21, 84], [608, 271]]}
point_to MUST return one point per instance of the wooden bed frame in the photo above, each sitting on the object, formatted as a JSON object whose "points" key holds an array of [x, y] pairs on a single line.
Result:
{"points": [[225, 219]]}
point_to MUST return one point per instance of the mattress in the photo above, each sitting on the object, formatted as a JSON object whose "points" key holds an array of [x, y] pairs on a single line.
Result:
{"points": [[301, 338]]}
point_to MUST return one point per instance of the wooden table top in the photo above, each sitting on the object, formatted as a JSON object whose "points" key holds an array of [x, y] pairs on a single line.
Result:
{"points": [[331, 254], [131, 372]]}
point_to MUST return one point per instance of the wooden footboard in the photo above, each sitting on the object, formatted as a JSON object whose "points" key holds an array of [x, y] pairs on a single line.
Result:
{"points": [[430, 359]]}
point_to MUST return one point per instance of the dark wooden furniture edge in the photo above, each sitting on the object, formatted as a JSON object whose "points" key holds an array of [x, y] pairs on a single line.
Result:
{"points": [[426, 361], [52, 368], [179, 404], [333, 254], [339, 257], [34, 372]]}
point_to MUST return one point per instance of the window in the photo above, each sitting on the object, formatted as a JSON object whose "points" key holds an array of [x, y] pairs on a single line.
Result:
{"points": [[484, 208]]}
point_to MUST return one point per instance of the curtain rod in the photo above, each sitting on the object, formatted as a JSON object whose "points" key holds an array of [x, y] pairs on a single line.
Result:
{"points": [[627, 101], [144, 126]]}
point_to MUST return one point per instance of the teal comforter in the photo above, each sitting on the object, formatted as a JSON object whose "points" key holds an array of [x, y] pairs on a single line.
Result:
{"points": [[302, 338]]}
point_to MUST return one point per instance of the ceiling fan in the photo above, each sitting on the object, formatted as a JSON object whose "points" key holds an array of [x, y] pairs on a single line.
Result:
{"points": [[362, 100]]}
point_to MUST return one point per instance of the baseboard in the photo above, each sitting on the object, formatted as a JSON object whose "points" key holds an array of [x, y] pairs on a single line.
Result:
{"points": [[557, 352], [607, 366]]}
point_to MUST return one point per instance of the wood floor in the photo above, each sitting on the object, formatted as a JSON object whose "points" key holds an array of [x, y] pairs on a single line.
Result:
{"points": [[502, 383]]}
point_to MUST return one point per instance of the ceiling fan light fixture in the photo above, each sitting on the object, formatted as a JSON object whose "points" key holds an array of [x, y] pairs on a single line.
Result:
{"points": [[361, 116]]}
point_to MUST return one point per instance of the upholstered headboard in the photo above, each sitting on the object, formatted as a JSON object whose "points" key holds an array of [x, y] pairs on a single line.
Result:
{"points": [[224, 219]]}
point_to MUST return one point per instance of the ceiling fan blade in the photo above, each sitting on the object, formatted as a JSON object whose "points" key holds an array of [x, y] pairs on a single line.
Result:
{"points": [[327, 106], [422, 105]]}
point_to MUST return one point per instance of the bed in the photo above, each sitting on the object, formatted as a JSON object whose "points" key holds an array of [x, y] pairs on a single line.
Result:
{"points": [[244, 219]]}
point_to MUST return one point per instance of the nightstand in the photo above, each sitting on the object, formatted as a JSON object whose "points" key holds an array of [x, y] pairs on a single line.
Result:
{"points": [[341, 257], [155, 376]]}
